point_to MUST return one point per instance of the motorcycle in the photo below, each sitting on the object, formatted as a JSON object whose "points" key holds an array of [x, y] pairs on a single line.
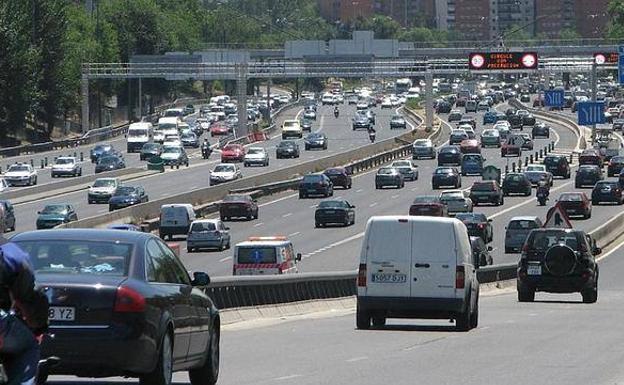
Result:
{"points": [[371, 136], [206, 151], [336, 113], [43, 370], [542, 197]]}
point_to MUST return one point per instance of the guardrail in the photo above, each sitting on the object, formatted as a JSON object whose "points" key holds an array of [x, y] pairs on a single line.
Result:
{"points": [[245, 291], [359, 159]]}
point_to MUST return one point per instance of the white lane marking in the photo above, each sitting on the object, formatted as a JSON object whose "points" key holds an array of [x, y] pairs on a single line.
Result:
{"points": [[313, 206], [356, 359], [525, 202], [286, 215], [373, 204], [613, 250], [102, 211], [284, 378], [335, 244], [259, 224], [294, 234], [321, 124], [415, 188], [225, 259], [359, 190], [278, 200], [395, 196]]}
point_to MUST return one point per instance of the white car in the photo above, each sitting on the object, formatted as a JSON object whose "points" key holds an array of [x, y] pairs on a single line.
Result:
{"points": [[102, 190], [328, 99], [386, 103], [224, 172], [408, 169], [21, 174], [417, 267], [66, 165], [291, 128], [256, 156], [172, 141], [204, 123]]}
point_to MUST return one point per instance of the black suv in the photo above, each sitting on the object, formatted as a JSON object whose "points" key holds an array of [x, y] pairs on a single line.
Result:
{"points": [[558, 165], [517, 183], [558, 261]]}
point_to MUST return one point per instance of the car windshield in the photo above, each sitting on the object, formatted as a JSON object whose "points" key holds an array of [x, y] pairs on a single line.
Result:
{"points": [[422, 143], [607, 184], [385, 171], [471, 217], [522, 225], [332, 204], [287, 144], [102, 148], [402, 163], [18, 168], [450, 150], [150, 146], [483, 187], [231, 148], [224, 168], [543, 240], [172, 150], [256, 254], [200, 227], [137, 133], [104, 183], [65, 161], [125, 190], [472, 158], [444, 171], [426, 199], [334, 171], [108, 160], [535, 168], [514, 178], [452, 196], [78, 257], [571, 197], [617, 159], [236, 198], [490, 133], [255, 151], [290, 124], [587, 170], [54, 209]]}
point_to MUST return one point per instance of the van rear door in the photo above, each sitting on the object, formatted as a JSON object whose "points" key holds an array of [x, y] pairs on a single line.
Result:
{"points": [[433, 260], [388, 251]]}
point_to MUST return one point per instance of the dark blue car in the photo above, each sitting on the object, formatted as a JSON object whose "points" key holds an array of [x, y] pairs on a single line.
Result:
{"points": [[490, 117], [472, 164]]}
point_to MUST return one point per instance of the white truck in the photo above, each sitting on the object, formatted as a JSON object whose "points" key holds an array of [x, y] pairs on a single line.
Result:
{"points": [[166, 126], [139, 134]]}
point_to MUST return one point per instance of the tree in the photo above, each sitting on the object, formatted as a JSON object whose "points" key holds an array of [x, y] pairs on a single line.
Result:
{"points": [[384, 27], [569, 34], [615, 28]]}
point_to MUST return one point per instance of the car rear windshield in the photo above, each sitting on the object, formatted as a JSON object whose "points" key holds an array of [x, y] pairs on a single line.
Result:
{"points": [[514, 178], [483, 187], [543, 240], [54, 209], [312, 179], [104, 183], [452, 196], [552, 160], [426, 199], [202, 227], [334, 171], [471, 217], [522, 225], [223, 168], [256, 254], [18, 168], [236, 198], [79, 257], [571, 197], [125, 190], [421, 143], [255, 151], [65, 161], [332, 204], [472, 158]]}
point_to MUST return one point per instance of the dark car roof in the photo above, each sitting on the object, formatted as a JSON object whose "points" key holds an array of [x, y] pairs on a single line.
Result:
{"points": [[287, 143], [92, 234]]}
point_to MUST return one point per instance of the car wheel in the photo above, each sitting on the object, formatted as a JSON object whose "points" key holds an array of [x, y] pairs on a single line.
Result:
{"points": [[525, 294], [462, 321], [588, 215], [594, 202], [301, 195], [576, 185], [362, 319], [377, 186], [162, 373], [317, 224], [474, 317], [222, 246], [189, 250], [208, 374], [379, 321]]}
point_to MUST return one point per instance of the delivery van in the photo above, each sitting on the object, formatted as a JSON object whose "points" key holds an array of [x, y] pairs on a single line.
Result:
{"points": [[139, 134], [265, 256], [417, 267], [175, 219], [166, 126]]}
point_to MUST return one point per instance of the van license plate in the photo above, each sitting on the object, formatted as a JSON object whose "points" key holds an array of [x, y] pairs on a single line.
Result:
{"points": [[58, 313], [389, 278], [534, 270]]}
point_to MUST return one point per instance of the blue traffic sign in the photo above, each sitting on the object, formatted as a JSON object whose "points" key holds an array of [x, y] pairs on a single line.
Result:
{"points": [[621, 64], [590, 113], [553, 98]]}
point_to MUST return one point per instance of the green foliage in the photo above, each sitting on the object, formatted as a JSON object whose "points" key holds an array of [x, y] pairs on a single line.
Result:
{"points": [[384, 27], [615, 29]]}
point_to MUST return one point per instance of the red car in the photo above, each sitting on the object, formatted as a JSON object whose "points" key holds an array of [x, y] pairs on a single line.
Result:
{"points": [[232, 153], [512, 146], [591, 156], [470, 146], [219, 128], [576, 203], [430, 206]]}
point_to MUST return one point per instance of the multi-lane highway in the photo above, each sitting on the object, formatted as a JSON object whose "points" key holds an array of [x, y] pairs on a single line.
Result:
{"points": [[337, 248], [339, 131]]}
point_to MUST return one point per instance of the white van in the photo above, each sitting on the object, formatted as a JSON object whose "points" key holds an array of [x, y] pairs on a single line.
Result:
{"points": [[138, 135], [166, 126], [265, 256], [417, 267], [175, 219], [174, 112]]}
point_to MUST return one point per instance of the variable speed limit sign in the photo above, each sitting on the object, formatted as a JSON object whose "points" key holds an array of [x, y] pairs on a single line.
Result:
{"points": [[503, 61]]}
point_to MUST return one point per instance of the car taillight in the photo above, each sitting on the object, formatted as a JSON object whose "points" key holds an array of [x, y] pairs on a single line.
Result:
{"points": [[481, 225], [460, 277], [361, 280], [129, 300]]}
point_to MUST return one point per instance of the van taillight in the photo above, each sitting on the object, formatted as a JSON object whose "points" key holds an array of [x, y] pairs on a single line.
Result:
{"points": [[129, 300], [361, 280], [460, 277]]}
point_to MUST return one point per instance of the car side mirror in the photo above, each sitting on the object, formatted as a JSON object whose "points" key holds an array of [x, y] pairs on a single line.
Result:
{"points": [[489, 220], [298, 258], [200, 279]]}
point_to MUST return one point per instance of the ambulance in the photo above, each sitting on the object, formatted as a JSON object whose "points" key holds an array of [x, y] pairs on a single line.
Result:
{"points": [[265, 256]]}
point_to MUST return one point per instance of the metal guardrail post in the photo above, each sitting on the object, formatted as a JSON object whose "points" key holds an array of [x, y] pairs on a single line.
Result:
{"points": [[506, 169], [536, 156], [46, 161], [32, 162], [81, 156], [513, 167], [526, 161], [541, 156], [552, 145], [75, 155], [531, 158], [571, 158], [42, 165]]}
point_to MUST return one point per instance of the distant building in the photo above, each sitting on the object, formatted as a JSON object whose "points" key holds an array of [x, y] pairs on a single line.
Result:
{"points": [[345, 11], [408, 13], [508, 14], [588, 18], [471, 18]]}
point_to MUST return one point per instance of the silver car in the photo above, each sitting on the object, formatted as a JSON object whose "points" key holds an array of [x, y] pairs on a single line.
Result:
{"points": [[208, 233], [517, 231], [456, 202], [256, 156], [408, 169]]}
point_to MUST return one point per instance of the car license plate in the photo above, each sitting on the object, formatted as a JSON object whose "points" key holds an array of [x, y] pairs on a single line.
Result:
{"points": [[389, 278], [330, 211], [61, 313], [534, 270]]}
